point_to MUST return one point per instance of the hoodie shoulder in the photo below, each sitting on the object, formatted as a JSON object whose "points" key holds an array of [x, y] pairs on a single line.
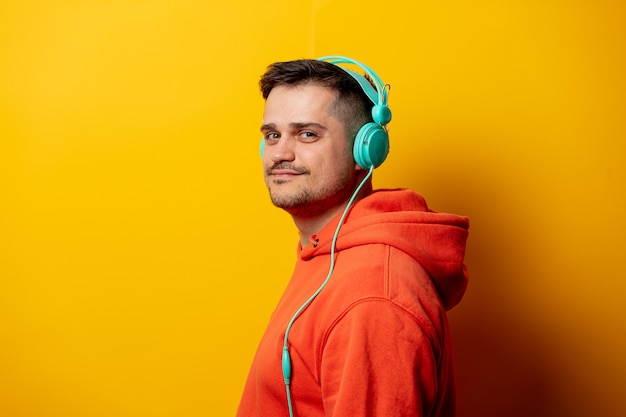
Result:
{"points": [[402, 219]]}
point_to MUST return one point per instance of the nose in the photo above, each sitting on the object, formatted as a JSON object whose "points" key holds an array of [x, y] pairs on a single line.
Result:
{"points": [[281, 151]]}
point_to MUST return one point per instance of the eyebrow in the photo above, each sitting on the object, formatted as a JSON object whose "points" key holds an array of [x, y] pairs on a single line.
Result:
{"points": [[295, 126]]}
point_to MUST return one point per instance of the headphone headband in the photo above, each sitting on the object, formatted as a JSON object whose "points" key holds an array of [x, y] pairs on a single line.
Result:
{"points": [[381, 87]]}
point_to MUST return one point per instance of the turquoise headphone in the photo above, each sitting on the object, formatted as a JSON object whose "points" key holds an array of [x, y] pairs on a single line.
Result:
{"points": [[371, 144]]}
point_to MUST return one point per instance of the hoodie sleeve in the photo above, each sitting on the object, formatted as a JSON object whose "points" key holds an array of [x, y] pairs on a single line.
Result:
{"points": [[378, 360]]}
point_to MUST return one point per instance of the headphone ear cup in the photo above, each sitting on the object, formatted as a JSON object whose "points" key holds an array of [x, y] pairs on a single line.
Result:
{"points": [[371, 146]]}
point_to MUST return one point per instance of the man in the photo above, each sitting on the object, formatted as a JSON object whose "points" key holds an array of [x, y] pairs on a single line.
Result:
{"points": [[361, 328]]}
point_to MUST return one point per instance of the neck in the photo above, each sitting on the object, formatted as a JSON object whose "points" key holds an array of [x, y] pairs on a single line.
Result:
{"points": [[309, 226]]}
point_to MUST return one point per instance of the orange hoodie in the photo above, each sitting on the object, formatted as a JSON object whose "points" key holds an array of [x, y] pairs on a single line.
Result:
{"points": [[375, 341]]}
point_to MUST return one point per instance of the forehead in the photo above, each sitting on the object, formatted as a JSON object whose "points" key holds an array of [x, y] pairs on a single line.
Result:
{"points": [[299, 99]]}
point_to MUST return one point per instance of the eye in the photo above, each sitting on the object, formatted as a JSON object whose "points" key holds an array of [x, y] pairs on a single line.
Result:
{"points": [[271, 137], [307, 136]]}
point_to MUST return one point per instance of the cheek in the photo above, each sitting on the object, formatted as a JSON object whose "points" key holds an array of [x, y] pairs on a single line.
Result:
{"points": [[338, 168], [266, 158]]}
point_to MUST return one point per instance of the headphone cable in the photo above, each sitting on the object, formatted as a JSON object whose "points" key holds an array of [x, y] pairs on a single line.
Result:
{"points": [[286, 358]]}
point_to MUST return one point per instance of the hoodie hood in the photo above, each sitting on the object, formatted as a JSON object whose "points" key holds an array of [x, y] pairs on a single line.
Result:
{"points": [[401, 218]]}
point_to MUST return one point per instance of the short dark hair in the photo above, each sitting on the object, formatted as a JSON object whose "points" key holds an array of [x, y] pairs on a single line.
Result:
{"points": [[352, 106]]}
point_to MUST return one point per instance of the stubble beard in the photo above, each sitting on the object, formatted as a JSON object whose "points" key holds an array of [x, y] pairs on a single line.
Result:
{"points": [[308, 202]]}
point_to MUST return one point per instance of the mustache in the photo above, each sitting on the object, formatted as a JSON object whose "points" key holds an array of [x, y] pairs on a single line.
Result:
{"points": [[286, 166]]}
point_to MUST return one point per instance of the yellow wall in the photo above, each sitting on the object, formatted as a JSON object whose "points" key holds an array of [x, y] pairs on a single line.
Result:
{"points": [[140, 256]]}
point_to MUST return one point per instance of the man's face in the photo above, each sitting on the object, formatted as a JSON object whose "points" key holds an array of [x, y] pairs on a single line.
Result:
{"points": [[308, 163]]}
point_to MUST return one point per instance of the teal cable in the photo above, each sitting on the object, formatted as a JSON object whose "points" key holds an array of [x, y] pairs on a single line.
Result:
{"points": [[286, 358]]}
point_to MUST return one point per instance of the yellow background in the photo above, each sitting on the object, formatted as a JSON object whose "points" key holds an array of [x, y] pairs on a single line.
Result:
{"points": [[140, 256]]}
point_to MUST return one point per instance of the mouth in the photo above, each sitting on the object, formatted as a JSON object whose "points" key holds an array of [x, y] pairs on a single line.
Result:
{"points": [[285, 173], [282, 176]]}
